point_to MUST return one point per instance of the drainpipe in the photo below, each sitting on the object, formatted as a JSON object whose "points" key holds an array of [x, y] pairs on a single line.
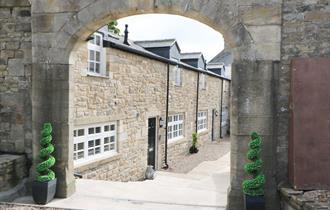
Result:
{"points": [[221, 100], [167, 102], [197, 95]]}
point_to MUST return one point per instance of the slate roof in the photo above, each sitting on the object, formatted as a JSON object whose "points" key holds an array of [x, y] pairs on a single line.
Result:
{"points": [[192, 55], [224, 57], [157, 43], [118, 42]]}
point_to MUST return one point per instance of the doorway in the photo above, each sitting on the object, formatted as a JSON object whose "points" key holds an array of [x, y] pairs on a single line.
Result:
{"points": [[152, 142]]}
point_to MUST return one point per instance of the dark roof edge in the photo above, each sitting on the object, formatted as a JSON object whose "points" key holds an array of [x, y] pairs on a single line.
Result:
{"points": [[162, 59]]}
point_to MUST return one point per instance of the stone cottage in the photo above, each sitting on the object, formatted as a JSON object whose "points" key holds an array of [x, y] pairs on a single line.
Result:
{"points": [[124, 92]]}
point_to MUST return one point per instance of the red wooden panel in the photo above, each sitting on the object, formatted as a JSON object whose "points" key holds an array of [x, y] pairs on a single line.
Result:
{"points": [[309, 143]]}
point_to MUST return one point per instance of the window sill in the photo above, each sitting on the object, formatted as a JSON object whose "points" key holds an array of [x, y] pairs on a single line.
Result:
{"points": [[94, 163], [175, 140], [89, 74], [202, 132]]}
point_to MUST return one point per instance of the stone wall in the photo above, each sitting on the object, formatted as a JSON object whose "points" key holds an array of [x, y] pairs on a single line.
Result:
{"points": [[133, 90], [15, 99], [15, 77]]}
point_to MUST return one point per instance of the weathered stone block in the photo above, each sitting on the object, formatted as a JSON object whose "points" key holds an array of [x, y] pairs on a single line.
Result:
{"points": [[15, 67], [261, 14]]}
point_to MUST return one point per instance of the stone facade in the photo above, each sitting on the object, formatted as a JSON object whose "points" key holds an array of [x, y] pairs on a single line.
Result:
{"points": [[133, 90]]}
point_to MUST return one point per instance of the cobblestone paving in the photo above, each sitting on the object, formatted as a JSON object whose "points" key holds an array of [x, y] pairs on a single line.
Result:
{"points": [[208, 152]]}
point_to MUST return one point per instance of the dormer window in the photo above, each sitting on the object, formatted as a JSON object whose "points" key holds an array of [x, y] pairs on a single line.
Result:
{"points": [[96, 55]]}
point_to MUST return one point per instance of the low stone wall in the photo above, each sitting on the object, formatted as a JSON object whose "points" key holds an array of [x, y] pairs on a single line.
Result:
{"points": [[308, 200], [12, 170]]}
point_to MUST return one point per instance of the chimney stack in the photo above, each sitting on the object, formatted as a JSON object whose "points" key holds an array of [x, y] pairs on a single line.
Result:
{"points": [[126, 35]]}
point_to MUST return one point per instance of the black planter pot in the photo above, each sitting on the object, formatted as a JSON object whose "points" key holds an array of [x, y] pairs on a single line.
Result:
{"points": [[254, 202], [193, 150], [43, 192]]}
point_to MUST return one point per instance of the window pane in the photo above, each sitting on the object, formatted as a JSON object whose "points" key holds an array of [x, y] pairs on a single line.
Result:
{"points": [[97, 150], [81, 146], [74, 156], [81, 132], [80, 155], [90, 152], [97, 142], [98, 40], [112, 146], [90, 130], [75, 147], [106, 148], [112, 139], [91, 143], [91, 55], [113, 127], [98, 130], [106, 128], [106, 140], [97, 68], [75, 133], [91, 66], [97, 56]]}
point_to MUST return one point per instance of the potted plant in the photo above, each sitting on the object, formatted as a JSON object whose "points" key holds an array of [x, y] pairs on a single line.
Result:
{"points": [[44, 187], [193, 149], [254, 188]]}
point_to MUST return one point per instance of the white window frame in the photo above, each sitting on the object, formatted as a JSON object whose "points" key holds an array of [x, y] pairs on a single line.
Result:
{"points": [[175, 127], [101, 132], [202, 82], [178, 76], [202, 121], [92, 49]]}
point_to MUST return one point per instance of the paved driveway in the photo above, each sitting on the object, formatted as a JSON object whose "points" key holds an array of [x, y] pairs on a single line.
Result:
{"points": [[205, 187]]}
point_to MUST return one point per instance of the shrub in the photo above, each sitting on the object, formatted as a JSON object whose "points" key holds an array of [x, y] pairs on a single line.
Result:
{"points": [[47, 160], [193, 148], [255, 185]]}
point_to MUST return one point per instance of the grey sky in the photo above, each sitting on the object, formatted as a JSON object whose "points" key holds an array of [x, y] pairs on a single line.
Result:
{"points": [[192, 35]]}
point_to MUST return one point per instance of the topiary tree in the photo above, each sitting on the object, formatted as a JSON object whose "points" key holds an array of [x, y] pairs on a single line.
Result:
{"points": [[254, 186], [47, 160]]}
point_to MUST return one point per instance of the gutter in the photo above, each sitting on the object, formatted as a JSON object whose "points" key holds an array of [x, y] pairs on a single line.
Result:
{"points": [[167, 103]]}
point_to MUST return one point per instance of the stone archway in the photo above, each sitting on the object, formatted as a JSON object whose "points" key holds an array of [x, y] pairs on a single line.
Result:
{"points": [[58, 26]]}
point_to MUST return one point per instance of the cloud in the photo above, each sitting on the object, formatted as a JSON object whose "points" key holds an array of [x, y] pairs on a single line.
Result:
{"points": [[192, 35]]}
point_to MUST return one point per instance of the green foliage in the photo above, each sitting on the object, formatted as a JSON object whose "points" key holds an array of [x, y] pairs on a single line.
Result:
{"points": [[193, 148], [255, 185], [113, 27], [47, 161]]}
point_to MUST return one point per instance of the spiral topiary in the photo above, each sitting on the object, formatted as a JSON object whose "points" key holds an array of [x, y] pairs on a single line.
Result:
{"points": [[254, 186], [47, 160]]}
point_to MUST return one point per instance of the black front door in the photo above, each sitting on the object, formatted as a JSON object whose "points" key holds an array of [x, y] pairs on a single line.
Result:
{"points": [[151, 141]]}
